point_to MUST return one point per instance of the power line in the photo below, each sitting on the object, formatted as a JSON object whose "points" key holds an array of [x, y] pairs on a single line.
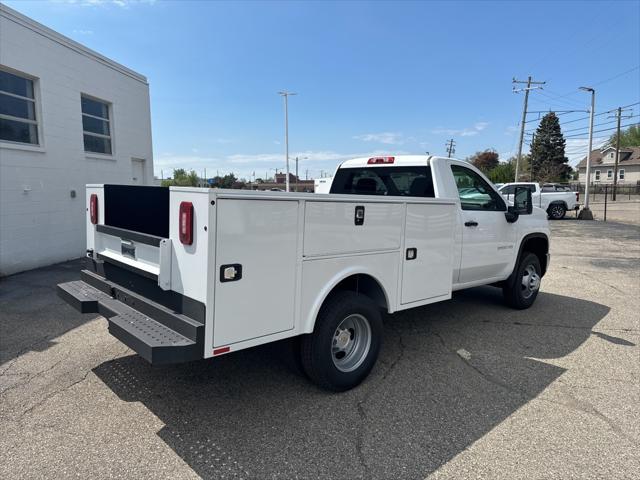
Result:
{"points": [[600, 124], [571, 103], [596, 115], [557, 112], [602, 130], [573, 92]]}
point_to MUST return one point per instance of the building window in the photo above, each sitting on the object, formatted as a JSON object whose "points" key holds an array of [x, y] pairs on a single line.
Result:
{"points": [[621, 174], [597, 175], [611, 155], [17, 109], [609, 173], [96, 126]]}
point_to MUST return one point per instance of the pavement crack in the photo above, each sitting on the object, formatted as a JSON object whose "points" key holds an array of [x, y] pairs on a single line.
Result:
{"points": [[30, 377], [360, 405], [556, 325], [587, 408], [595, 279], [22, 352], [55, 393], [466, 360], [48, 397]]}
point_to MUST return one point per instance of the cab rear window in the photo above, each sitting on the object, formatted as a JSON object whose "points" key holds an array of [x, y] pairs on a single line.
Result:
{"points": [[393, 181]]}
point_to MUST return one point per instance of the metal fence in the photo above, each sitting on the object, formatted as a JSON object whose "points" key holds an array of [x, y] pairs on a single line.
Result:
{"points": [[602, 190]]}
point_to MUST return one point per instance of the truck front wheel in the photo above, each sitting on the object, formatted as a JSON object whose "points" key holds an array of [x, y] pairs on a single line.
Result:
{"points": [[345, 342], [521, 290]]}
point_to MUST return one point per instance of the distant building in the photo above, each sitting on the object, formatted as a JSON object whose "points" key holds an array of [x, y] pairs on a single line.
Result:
{"points": [[68, 116], [603, 162], [303, 185]]}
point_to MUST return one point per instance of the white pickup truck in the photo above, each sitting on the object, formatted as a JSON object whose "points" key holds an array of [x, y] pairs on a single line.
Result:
{"points": [[190, 273], [554, 199]]}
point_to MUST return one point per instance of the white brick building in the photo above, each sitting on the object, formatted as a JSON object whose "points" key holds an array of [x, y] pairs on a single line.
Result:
{"points": [[68, 117]]}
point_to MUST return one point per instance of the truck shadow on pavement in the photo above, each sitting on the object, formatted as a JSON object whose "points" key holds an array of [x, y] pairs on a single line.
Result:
{"points": [[31, 314], [448, 374]]}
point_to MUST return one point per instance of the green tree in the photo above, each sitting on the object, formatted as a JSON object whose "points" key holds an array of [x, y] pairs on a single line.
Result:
{"points": [[504, 172], [549, 162], [628, 138], [485, 161], [227, 181], [182, 179]]}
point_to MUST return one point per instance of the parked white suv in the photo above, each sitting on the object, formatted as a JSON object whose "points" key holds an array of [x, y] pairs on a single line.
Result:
{"points": [[555, 199]]}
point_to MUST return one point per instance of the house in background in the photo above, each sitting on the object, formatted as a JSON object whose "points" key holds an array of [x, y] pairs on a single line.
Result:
{"points": [[68, 116], [603, 165]]}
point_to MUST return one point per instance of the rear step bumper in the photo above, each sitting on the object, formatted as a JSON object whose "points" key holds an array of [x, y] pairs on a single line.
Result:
{"points": [[156, 333]]}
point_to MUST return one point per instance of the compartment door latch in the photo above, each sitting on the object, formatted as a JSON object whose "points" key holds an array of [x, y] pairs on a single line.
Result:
{"points": [[359, 215], [230, 273]]}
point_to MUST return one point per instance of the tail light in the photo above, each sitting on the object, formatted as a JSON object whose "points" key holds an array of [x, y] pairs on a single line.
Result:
{"points": [[93, 208], [185, 223], [379, 160]]}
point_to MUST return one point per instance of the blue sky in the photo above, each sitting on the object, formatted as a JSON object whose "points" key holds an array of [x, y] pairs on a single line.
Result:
{"points": [[371, 77]]}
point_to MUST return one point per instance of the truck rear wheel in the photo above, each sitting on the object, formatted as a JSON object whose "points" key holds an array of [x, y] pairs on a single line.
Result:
{"points": [[521, 290], [345, 342], [557, 211]]}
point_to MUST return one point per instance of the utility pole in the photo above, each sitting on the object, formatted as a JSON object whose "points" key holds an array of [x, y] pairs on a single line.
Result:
{"points": [[286, 95], [526, 90], [586, 213], [296, 174], [533, 139], [306, 174], [451, 147], [619, 116]]}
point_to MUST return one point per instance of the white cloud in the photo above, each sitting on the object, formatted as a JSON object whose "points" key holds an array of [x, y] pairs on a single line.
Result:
{"points": [[463, 132], [388, 138], [510, 130], [243, 165]]}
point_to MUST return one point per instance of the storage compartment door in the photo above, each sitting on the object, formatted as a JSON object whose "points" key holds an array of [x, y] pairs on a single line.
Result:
{"points": [[429, 233], [331, 228], [259, 240]]}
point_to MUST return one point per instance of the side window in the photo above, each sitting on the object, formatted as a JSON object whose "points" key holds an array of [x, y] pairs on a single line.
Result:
{"points": [[475, 193], [96, 128], [18, 121], [508, 190]]}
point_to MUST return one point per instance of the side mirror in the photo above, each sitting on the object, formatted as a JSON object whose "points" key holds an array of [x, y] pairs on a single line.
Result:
{"points": [[522, 204], [522, 201]]}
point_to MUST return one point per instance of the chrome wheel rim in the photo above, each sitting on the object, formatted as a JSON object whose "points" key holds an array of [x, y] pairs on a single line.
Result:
{"points": [[351, 342], [530, 281]]}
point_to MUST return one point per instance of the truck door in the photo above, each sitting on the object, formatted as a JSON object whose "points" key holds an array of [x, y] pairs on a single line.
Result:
{"points": [[487, 238]]}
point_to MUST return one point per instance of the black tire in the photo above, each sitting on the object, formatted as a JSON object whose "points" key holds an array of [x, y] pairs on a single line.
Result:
{"points": [[516, 295], [317, 349], [556, 211]]}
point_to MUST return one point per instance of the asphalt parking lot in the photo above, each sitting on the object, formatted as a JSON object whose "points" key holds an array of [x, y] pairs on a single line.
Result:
{"points": [[463, 389]]}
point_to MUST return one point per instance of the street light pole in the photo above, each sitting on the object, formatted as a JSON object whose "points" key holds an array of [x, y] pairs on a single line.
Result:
{"points": [[585, 213], [297, 178], [286, 94]]}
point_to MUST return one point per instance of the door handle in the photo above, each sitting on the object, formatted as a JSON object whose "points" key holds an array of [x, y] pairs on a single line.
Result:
{"points": [[471, 224]]}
